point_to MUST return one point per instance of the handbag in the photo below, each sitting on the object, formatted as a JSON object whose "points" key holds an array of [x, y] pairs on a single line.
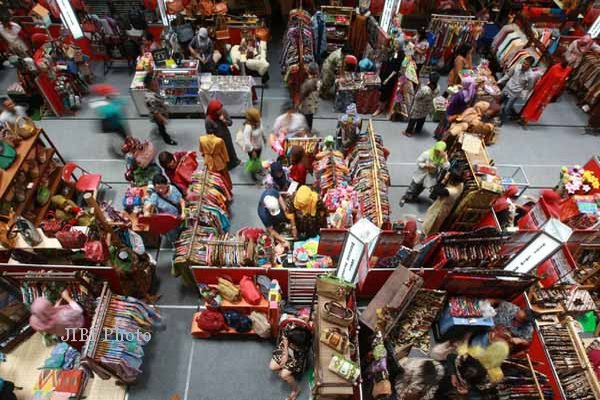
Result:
{"points": [[238, 321], [206, 7], [70, 238], [145, 154], [333, 287], [51, 225], [249, 290], [335, 313], [7, 155], [185, 169], [336, 339], [174, 6], [96, 251], [25, 127], [344, 368], [210, 321], [260, 324], [27, 230], [228, 291], [382, 389]]}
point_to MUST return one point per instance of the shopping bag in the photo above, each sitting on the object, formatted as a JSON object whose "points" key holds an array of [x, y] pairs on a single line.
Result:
{"points": [[254, 165]]}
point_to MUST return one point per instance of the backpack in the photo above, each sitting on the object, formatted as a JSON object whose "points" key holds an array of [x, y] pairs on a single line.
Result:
{"points": [[210, 321], [240, 322], [137, 19], [249, 290]]}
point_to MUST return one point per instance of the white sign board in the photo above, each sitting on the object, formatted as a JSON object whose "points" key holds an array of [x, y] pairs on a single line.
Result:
{"points": [[358, 247], [533, 255], [595, 28], [69, 19]]}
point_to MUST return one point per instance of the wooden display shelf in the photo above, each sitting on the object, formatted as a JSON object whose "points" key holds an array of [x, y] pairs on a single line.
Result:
{"points": [[22, 151], [33, 185]]}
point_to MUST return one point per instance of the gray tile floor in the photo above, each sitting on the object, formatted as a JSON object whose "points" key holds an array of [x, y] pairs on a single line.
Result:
{"points": [[216, 370]]}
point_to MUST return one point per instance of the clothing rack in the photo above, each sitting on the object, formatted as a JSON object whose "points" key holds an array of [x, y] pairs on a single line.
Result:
{"points": [[375, 174], [466, 30]]}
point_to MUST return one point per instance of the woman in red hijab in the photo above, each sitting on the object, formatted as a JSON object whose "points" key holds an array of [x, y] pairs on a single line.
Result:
{"points": [[217, 122]]}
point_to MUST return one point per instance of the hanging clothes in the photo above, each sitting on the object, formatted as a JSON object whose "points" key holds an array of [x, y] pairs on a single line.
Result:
{"points": [[358, 35], [548, 87], [320, 35]]}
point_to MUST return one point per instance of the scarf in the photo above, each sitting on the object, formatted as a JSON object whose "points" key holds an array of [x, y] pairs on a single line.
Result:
{"points": [[305, 201], [436, 159], [213, 108], [469, 89]]}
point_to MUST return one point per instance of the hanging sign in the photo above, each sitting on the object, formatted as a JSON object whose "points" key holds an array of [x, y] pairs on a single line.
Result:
{"points": [[69, 19], [595, 28]]}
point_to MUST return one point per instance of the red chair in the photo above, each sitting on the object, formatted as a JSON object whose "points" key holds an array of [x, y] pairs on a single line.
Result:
{"points": [[86, 182], [160, 224]]}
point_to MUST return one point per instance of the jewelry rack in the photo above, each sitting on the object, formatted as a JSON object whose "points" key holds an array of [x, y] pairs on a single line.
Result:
{"points": [[309, 144]]}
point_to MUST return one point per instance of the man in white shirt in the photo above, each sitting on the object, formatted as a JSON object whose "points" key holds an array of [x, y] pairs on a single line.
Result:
{"points": [[10, 112], [517, 83], [10, 33]]}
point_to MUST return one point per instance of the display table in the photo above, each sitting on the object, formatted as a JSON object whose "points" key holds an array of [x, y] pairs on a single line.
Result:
{"points": [[489, 90], [361, 88], [235, 92]]}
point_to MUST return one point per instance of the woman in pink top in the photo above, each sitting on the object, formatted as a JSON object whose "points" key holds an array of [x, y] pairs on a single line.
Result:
{"points": [[46, 317]]}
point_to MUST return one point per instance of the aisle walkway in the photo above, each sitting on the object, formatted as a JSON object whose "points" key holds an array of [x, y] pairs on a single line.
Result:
{"points": [[211, 370]]}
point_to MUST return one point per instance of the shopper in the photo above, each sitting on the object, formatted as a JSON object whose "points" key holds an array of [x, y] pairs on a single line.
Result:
{"points": [[291, 355], [271, 211], [464, 374], [202, 48], [56, 320], [421, 49], [298, 170], [430, 163], [423, 105], [254, 138], [309, 95], [580, 47], [158, 110], [10, 112], [148, 43], [515, 319], [279, 179], [179, 167], [164, 199], [10, 32], [331, 70], [217, 122], [389, 74], [463, 60], [548, 88], [291, 123], [349, 127], [309, 213], [516, 84]]}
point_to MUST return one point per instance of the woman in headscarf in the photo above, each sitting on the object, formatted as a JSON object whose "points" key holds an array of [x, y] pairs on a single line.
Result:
{"points": [[430, 163], [278, 177], [217, 122], [201, 48], [457, 105], [309, 213]]}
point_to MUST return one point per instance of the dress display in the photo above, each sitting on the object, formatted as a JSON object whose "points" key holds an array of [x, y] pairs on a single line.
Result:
{"points": [[547, 88]]}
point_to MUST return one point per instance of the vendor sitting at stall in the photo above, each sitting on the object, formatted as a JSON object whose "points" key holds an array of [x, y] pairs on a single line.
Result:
{"points": [[271, 211], [202, 48], [179, 167], [164, 198], [256, 57], [429, 163], [278, 178], [309, 213], [517, 321]]}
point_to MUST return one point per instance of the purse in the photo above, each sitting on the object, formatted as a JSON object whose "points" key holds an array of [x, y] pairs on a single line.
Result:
{"points": [[260, 324], [336, 339], [344, 368], [337, 314], [70, 238], [228, 291], [7, 155], [96, 251], [333, 287], [27, 230], [382, 389], [210, 321], [145, 154], [51, 225], [249, 290], [25, 127]]}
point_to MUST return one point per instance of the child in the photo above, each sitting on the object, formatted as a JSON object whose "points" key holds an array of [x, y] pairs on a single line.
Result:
{"points": [[298, 170]]}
